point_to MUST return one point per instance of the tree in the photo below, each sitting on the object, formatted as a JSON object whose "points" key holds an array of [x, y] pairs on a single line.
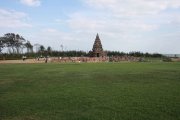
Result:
{"points": [[49, 50], [29, 47], [14, 42], [42, 48], [2, 44], [37, 47]]}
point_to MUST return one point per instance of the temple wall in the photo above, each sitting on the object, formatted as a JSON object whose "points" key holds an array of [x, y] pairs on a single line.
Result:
{"points": [[93, 59]]}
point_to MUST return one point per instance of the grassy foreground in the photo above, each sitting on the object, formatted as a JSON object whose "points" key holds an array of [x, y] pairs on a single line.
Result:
{"points": [[106, 91]]}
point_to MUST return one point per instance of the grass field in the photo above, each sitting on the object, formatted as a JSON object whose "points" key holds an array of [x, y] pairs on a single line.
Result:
{"points": [[90, 91]]}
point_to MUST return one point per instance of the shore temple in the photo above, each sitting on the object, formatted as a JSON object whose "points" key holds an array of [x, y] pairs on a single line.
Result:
{"points": [[97, 50]]}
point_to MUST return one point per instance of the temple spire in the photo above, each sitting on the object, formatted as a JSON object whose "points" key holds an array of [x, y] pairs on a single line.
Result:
{"points": [[97, 47], [97, 36]]}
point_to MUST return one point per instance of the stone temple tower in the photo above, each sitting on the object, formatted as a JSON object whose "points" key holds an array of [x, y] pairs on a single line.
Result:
{"points": [[97, 50]]}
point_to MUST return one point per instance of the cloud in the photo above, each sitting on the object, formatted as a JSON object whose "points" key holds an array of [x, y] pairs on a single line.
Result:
{"points": [[13, 19], [131, 25], [124, 25], [50, 30], [80, 22], [134, 7], [123, 16], [108, 25], [31, 2]]}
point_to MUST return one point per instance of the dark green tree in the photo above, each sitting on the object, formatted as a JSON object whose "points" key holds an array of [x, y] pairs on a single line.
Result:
{"points": [[42, 49], [49, 50]]}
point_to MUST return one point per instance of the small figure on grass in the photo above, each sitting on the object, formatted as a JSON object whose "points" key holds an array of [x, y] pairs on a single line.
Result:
{"points": [[46, 59], [23, 58]]}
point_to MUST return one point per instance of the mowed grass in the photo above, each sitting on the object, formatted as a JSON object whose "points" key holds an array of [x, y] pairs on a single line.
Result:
{"points": [[90, 91]]}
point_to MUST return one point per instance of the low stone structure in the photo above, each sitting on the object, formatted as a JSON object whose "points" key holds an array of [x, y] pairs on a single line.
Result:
{"points": [[94, 59], [75, 60], [80, 59], [124, 58]]}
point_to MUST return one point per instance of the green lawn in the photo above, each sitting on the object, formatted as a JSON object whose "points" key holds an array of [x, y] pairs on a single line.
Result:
{"points": [[90, 91]]}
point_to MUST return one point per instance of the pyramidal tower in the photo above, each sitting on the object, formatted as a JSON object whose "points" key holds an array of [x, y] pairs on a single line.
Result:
{"points": [[97, 50]]}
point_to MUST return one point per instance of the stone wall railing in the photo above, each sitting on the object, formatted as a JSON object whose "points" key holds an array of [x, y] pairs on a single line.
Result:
{"points": [[80, 59], [93, 59]]}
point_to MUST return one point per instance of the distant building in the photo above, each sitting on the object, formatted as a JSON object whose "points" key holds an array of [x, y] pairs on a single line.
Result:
{"points": [[97, 50]]}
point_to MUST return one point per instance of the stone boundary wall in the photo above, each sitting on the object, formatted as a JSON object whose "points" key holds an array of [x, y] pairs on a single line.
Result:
{"points": [[73, 59], [79, 59], [93, 59], [175, 59], [124, 58]]}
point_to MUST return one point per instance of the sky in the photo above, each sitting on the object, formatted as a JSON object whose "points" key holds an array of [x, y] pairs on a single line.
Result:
{"points": [[123, 25]]}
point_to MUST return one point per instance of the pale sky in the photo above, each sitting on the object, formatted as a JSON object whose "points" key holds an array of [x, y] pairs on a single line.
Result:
{"points": [[123, 25]]}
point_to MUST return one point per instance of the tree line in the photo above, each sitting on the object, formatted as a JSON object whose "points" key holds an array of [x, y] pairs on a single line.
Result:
{"points": [[134, 53], [15, 44]]}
